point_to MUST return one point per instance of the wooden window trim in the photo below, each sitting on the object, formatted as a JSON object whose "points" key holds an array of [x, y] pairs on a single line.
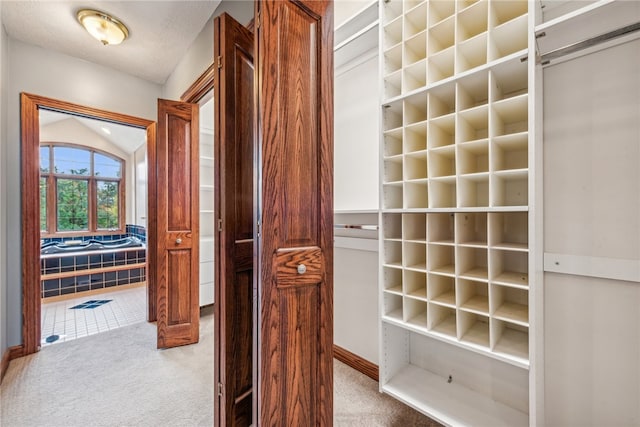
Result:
{"points": [[52, 220]]}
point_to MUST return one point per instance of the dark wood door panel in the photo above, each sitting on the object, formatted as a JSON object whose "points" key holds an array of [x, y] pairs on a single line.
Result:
{"points": [[295, 107], [235, 164], [176, 224]]}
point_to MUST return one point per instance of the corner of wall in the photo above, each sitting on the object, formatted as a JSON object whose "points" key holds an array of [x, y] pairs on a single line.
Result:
{"points": [[3, 217]]}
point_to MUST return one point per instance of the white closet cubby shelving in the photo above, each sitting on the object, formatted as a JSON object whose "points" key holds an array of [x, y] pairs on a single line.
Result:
{"points": [[455, 234], [207, 219]]}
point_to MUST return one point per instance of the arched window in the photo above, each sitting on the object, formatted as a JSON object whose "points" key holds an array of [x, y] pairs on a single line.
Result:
{"points": [[81, 190]]}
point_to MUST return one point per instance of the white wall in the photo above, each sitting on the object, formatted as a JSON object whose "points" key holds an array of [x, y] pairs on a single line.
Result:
{"points": [[140, 180], [200, 54], [72, 131], [592, 220], [3, 193], [47, 73]]}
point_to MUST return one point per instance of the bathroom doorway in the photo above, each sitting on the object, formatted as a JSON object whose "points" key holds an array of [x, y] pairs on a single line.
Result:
{"points": [[93, 199]]}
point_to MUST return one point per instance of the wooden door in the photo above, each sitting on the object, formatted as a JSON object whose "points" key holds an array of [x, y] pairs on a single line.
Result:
{"points": [[235, 156], [174, 223], [294, 61]]}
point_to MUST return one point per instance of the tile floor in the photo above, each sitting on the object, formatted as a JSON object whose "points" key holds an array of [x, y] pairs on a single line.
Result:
{"points": [[124, 307]]}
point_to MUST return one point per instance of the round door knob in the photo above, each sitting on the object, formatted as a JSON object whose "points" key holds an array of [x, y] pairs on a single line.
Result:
{"points": [[178, 241], [302, 269]]}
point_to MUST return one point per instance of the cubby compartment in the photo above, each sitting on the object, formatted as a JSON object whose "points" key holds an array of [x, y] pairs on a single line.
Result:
{"points": [[415, 20], [415, 109], [415, 48], [503, 11], [392, 196], [473, 157], [415, 166], [442, 35], [442, 162], [416, 194], [474, 190], [508, 38], [464, 4], [393, 306], [415, 312], [393, 169], [393, 60], [473, 329], [393, 143], [439, 10], [410, 5], [509, 230], [471, 228], [473, 125], [443, 192], [442, 320], [415, 284], [509, 116], [392, 115], [415, 76], [473, 296], [442, 101], [510, 304], [508, 79], [510, 268], [441, 65], [473, 21], [414, 227], [510, 339], [392, 10], [440, 228], [393, 84], [472, 53], [442, 131], [473, 91], [441, 290], [510, 152], [472, 263], [392, 34], [510, 189], [415, 138], [392, 279], [415, 256], [392, 226], [393, 253], [442, 260]]}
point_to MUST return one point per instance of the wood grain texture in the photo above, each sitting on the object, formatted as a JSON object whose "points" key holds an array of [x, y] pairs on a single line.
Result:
{"points": [[10, 354], [30, 200], [152, 225], [177, 228], [294, 104], [235, 148], [286, 262], [356, 362]]}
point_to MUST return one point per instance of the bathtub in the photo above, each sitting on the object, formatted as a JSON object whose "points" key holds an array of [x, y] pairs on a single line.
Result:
{"points": [[73, 267], [89, 245]]}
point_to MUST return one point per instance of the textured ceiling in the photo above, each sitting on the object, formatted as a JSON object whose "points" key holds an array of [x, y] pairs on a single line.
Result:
{"points": [[159, 31]]}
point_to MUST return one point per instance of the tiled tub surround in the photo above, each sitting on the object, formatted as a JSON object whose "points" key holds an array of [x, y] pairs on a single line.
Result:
{"points": [[131, 230], [63, 274]]}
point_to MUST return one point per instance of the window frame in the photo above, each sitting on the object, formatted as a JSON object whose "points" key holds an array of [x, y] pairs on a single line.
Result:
{"points": [[51, 179]]}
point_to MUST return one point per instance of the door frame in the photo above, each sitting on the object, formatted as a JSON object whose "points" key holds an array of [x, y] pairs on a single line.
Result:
{"points": [[30, 203]]}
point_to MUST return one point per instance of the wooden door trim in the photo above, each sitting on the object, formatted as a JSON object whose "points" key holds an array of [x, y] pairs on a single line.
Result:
{"points": [[30, 202], [358, 363], [199, 88]]}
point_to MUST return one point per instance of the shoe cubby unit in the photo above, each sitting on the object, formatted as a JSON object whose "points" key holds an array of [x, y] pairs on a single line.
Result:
{"points": [[455, 285]]}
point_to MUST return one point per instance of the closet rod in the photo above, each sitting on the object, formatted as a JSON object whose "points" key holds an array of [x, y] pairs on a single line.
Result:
{"points": [[357, 226], [593, 41]]}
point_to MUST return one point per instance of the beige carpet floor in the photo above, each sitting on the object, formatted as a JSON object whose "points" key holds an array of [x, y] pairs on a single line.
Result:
{"points": [[118, 378]]}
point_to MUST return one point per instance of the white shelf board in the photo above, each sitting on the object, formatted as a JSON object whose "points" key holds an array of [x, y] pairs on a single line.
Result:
{"points": [[520, 361], [450, 403], [512, 312], [396, 290], [361, 19], [364, 41], [462, 210], [447, 299], [514, 279], [477, 304]]}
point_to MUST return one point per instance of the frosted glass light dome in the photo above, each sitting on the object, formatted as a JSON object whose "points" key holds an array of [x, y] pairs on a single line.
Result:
{"points": [[105, 28]]}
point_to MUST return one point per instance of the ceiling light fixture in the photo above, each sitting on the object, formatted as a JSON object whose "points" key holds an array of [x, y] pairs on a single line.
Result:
{"points": [[105, 28]]}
